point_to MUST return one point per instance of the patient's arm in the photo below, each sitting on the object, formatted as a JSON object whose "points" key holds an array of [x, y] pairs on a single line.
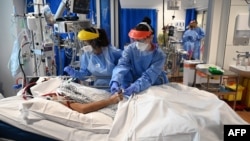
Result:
{"points": [[94, 106]]}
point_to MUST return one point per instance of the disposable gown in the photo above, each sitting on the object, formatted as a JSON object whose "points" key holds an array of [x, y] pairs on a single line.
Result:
{"points": [[142, 68], [99, 65], [201, 34], [189, 39]]}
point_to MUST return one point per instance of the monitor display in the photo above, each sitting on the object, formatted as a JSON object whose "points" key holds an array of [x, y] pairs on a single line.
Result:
{"points": [[80, 6]]}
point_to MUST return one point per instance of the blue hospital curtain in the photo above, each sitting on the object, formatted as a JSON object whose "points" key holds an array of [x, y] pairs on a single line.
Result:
{"points": [[29, 4], [92, 12], [129, 18], [190, 15], [105, 16]]}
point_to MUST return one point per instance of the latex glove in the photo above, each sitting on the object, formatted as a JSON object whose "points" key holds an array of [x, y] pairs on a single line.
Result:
{"points": [[114, 87], [130, 90], [70, 70]]}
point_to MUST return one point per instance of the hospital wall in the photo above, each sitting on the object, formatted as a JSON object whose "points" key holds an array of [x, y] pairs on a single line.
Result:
{"points": [[220, 26], [237, 6]]}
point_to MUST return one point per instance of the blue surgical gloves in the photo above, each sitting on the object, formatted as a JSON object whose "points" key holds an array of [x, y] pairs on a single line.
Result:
{"points": [[114, 87], [70, 70], [130, 90], [127, 92]]}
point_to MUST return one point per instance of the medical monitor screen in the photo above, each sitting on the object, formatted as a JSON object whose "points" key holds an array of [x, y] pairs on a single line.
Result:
{"points": [[81, 6]]}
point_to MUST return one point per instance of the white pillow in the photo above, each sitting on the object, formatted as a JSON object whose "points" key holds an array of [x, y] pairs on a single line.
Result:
{"points": [[57, 112]]}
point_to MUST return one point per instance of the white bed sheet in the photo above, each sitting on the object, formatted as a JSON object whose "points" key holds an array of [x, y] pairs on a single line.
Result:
{"points": [[52, 119], [167, 112], [10, 113], [173, 112]]}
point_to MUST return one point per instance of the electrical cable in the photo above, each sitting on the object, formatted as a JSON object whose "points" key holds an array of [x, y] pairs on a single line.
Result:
{"points": [[38, 66]]}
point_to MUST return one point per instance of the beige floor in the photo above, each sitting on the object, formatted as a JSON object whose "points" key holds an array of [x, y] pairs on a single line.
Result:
{"points": [[245, 115]]}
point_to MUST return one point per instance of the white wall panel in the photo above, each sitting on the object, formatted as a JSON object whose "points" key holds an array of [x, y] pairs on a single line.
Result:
{"points": [[237, 6]]}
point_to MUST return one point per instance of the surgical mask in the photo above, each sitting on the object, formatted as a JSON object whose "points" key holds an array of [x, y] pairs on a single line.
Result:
{"points": [[87, 48], [142, 46]]}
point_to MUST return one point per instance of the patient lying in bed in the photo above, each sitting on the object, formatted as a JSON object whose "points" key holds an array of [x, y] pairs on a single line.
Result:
{"points": [[85, 107], [165, 112], [75, 96]]}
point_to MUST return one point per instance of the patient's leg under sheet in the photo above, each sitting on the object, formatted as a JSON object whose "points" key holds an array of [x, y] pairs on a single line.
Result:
{"points": [[173, 112]]}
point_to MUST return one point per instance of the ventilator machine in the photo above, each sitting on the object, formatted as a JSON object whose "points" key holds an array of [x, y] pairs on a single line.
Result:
{"points": [[42, 32]]}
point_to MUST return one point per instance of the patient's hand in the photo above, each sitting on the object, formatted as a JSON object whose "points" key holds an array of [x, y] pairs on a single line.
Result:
{"points": [[116, 98]]}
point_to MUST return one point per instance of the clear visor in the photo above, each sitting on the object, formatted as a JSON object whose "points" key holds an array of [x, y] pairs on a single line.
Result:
{"points": [[136, 40]]}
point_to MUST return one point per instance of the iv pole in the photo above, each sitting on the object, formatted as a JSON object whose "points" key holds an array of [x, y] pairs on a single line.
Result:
{"points": [[163, 28]]}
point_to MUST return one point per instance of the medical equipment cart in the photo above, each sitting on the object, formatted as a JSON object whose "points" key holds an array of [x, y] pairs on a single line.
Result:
{"points": [[219, 88]]}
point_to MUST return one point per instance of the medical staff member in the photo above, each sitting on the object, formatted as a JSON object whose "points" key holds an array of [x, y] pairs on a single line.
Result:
{"points": [[201, 35], [141, 64], [189, 39], [99, 57]]}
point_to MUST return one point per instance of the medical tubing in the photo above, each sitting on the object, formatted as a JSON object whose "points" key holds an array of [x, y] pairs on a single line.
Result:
{"points": [[18, 79], [24, 75], [19, 60], [26, 89], [73, 56]]}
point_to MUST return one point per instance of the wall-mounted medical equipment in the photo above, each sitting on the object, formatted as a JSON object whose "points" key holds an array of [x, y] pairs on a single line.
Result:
{"points": [[242, 30], [173, 4], [180, 25]]}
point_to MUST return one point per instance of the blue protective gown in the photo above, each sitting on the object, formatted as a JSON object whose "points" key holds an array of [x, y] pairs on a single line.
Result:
{"points": [[189, 39], [99, 65], [142, 68], [201, 34]]}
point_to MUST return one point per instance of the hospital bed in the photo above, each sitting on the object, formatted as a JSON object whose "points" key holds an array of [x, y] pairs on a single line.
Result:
{"points": [[166, 112]]}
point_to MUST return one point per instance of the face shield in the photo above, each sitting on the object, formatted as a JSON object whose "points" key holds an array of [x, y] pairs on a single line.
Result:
{"points": [[88, 40], [139, 35], [141, 38], [84, 35]]}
